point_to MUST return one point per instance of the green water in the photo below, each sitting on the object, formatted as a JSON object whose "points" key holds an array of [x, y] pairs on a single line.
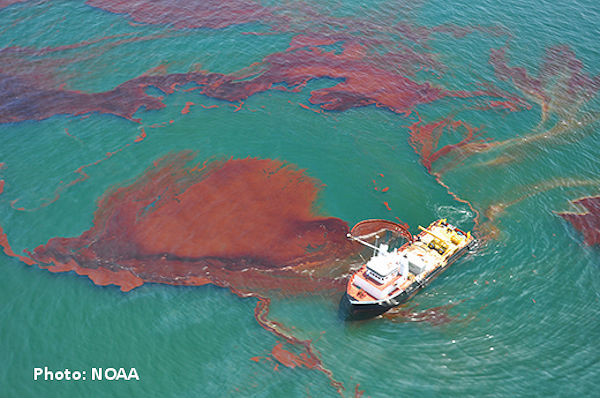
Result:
{"points": [[526, 322]]}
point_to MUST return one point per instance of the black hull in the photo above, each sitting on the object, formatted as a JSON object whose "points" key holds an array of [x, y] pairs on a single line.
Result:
{"points": [[354, 311]]}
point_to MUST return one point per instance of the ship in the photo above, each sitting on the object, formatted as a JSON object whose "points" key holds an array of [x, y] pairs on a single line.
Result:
{"points": [[392, 276]]}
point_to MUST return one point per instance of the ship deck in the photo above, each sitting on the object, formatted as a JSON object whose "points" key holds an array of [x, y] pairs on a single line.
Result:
{"points": [[420, 251]]}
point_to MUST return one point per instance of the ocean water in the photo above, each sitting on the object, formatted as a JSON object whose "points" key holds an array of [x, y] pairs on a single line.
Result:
{"points": [[516, 317]]}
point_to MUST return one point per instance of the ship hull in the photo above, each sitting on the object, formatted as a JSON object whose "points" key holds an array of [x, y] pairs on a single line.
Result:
{"points": [[351, 309]]}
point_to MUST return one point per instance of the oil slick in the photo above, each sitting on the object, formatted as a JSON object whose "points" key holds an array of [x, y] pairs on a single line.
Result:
{"points": [[249, 225], [588, 221]]}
